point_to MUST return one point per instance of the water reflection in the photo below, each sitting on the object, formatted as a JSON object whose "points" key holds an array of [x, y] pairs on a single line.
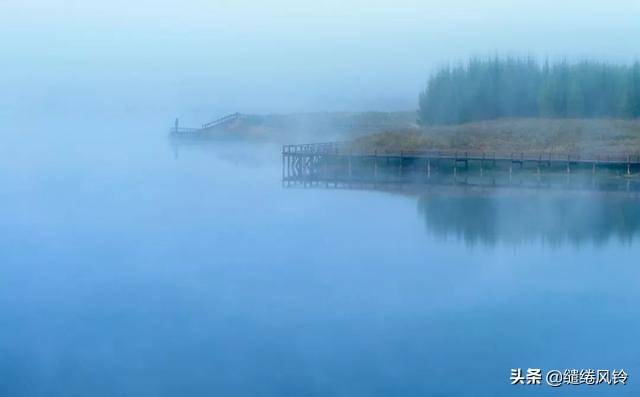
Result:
{"points": [[519, 217]]}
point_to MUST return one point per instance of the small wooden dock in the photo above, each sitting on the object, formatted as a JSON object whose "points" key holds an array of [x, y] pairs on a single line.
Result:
{"points": [[187, 132], [340, 163]]}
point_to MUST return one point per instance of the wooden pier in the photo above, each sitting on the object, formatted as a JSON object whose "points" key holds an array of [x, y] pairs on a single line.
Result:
{"points": [[339, 163], [189, 132]]}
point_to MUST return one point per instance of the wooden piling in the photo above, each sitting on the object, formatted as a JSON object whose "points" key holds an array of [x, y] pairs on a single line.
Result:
{"points": [[375, 164], [455, 165], [510, 165], [283, 160]]}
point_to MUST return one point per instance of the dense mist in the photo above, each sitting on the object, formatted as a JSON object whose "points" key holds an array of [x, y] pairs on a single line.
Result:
{"points": [[135, 261], [199, 59]]}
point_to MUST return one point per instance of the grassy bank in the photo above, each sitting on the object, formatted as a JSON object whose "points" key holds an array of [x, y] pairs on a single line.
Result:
{"points": [[530, 134], [312, 127]]}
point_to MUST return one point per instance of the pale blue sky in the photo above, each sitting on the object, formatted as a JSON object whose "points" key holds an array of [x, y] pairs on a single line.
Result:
{"points": [[278, 56]]}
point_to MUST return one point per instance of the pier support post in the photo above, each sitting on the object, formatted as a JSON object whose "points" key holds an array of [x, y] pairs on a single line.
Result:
{"points": [[283, 165], [428, 168], [455, 165], [401, 161], [325, 162], [375, 164], [593, 172], [510, 166]]}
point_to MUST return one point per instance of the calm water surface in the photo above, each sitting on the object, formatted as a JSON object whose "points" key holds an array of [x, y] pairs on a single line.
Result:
{"points": [[127, 269]]}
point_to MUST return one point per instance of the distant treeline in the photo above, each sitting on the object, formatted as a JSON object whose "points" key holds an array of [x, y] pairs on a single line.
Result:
{"points": [[487, 89]]}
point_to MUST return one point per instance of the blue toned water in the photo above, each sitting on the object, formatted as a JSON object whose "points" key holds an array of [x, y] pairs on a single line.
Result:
{"points": [[130, 269]]}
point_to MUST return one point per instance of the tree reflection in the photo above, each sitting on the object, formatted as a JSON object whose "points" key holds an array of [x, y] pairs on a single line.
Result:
{"points": [[517, 218]]}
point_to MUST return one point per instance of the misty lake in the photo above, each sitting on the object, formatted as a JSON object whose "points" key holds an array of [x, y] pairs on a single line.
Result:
{"points": [[130, 268]]}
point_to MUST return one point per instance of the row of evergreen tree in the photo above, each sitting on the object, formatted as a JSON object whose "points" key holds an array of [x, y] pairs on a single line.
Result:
{"points": [[485, 89]]}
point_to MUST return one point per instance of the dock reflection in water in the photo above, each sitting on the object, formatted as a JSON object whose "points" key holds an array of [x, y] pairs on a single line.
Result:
{"points": [[484, 199], [339, 165]]}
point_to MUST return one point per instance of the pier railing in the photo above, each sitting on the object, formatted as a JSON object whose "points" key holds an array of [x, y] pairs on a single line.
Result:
{"points": [[347, 148], [315, 148], [186, 131], [221, 120]]}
